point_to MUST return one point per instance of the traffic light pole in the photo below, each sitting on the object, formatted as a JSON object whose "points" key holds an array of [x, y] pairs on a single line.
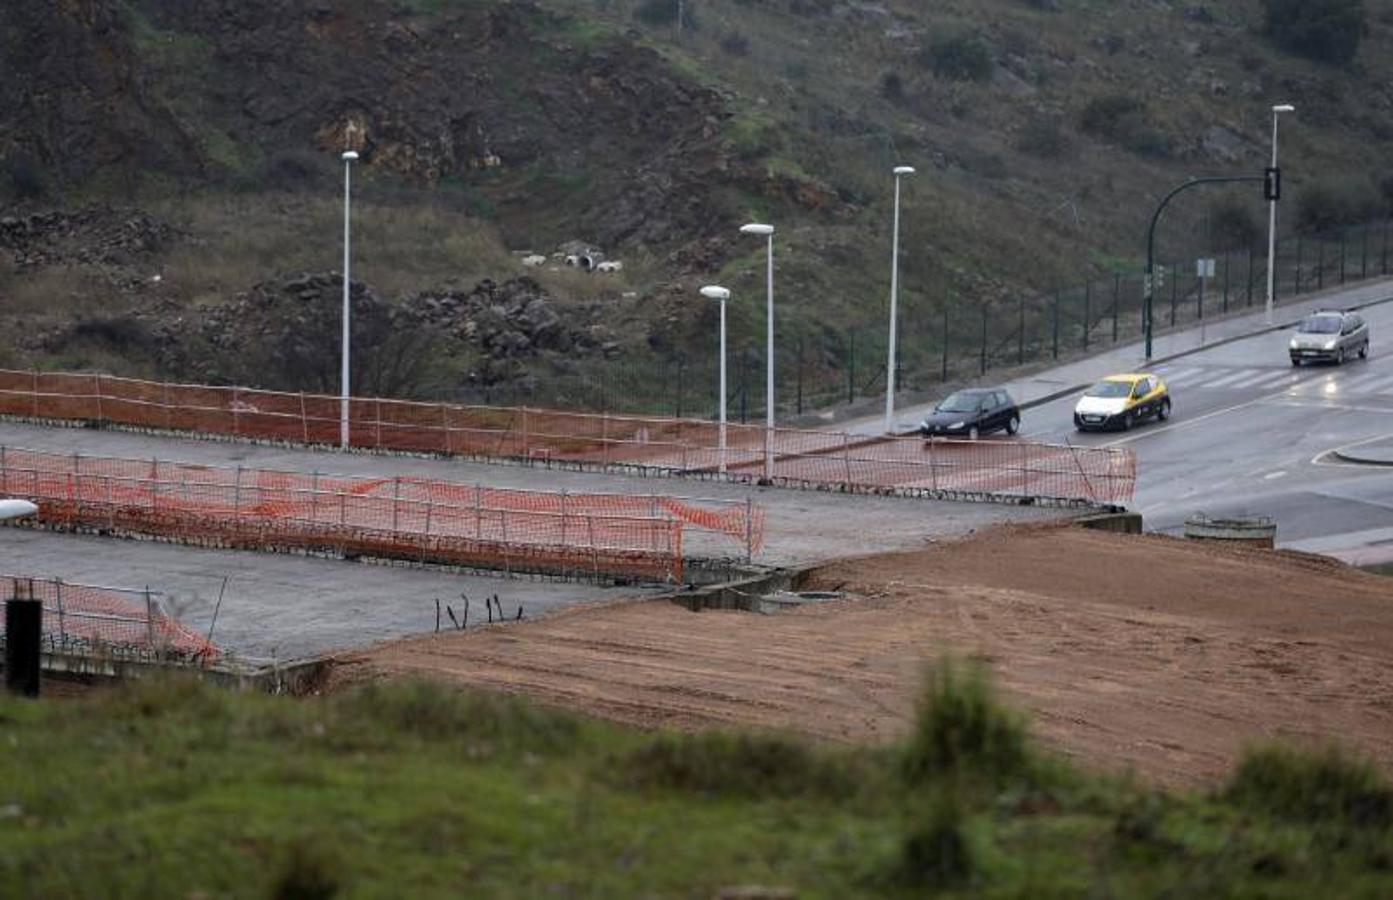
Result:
{"points": [[1149, 285]]}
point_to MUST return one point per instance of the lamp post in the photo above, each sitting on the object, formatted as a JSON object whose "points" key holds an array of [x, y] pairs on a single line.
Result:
{"points": [[1272, 214], [348, 157], [768, 232], [899, 171], [721, 295]]}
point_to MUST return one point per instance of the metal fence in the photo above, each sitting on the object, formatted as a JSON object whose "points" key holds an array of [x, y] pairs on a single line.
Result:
{"points": [[578, 535], [87, 619], [824, 458], [942, 340]]}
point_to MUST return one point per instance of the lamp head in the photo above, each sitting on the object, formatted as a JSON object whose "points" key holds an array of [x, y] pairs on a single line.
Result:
{"points": [[350, 155], [1285, 107], [757, 228], [715, 292], [904, 170]]}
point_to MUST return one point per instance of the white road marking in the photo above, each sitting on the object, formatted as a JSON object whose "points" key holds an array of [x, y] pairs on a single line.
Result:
{"points": [[1185, 423], [1232, 378], [1271, 475]]}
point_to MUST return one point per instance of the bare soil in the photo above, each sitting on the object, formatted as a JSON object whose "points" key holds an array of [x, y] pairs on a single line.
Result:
{"points": [[1144, 653]]}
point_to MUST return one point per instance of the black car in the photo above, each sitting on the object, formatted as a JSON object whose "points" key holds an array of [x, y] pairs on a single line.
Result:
{"points": [[971, 413]]}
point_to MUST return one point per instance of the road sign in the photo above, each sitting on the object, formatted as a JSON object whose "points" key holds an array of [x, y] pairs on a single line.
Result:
{"points": [[1272, 184], [1204, 268]]}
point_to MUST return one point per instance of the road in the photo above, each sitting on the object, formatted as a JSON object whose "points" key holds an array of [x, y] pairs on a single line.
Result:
{"points": [[1251, 435]]}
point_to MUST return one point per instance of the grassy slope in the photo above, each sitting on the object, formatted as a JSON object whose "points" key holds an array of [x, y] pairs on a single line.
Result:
{"points": [[176, 790]]}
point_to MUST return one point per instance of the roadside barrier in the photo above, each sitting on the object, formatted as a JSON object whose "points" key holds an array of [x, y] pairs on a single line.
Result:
{"points": [[93, 619], [992, 469], [402, 518]]}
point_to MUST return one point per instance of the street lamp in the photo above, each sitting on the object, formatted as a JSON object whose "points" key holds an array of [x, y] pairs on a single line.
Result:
{"points": [[721, 295], [348, 158], [768, 232], [1272, 213], [894, 286]]}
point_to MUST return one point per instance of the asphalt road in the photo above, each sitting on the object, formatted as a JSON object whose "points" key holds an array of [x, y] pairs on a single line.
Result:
{"points": [[1251, 435]]}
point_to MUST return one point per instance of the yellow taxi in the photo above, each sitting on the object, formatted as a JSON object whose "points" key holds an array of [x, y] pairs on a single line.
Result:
{"points": [[1121, 401]]}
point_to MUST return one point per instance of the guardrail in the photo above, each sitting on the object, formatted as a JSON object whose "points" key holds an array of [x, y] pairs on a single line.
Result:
{"points": [[830, 459]]}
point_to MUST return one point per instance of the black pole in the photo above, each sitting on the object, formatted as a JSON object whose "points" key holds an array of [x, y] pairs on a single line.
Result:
{"points": [[1320, 262], [1117, 289], [1250, 274], [984, 341], [1148, 286], [800, 375], [945, 341], [1297, 289], [1020, 335], [1175, 280], [1383, 265], [23, 632], [1087, 313], [851, 370], [1226, 281], [1342, 256], [1364, 253], [1054, 349]]}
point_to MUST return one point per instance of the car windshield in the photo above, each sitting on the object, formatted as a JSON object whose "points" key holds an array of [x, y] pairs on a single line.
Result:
{"points": [[1110, 389], [1320, 325], [961, 402]]}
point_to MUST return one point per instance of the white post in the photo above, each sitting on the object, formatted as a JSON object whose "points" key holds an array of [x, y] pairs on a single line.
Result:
{"points": [[1272, 217], [769, 365], [723, 390], [348, 157], [894, 296]]}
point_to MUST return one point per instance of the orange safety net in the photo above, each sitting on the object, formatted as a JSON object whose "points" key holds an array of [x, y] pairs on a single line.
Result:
{"points": [[85, 617], [405, 518], [1105, 476]]}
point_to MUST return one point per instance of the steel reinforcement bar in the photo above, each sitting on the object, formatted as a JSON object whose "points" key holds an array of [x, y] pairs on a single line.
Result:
{"points": [[1009, 469]]}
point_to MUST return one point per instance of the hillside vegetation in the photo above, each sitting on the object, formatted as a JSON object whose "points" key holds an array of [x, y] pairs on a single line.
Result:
{"points": [[1043, 132], [176, 789]]}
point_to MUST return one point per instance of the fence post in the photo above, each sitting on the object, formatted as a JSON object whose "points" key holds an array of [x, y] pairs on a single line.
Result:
{"points": [[604, 439], [1297, 286], [846, 454], [34, 392], [681, 366], [749, 529], [850, 371], [58, 598], [168, 414], [525, 453], [314, 496], [1383, 264], [236, 409], [1020, 335], [4, 473], [304, 421], [396, 502], [1250, 275], [1342, 256], [149, 617], [237, 495], [563, 518], [1174, 289], [1055, 341], [945, 342], [478, 512], [1087, 312], [984, 342], [98, 379], [1116, 290], [800, 375], [1226, 281], [1364, 252]]}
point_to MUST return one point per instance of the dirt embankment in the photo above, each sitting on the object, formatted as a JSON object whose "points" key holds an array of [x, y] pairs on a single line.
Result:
{"points": [[1141, 652]]}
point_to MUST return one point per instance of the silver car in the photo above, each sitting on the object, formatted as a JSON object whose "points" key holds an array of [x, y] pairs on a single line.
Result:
{"points": [[1331, 336]]}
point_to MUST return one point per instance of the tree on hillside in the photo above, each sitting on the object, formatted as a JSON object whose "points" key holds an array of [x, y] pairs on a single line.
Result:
{"points": [[1327, 31]]}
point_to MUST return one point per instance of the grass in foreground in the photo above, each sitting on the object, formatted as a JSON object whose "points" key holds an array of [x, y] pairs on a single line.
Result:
{"points": [[178, 789]]}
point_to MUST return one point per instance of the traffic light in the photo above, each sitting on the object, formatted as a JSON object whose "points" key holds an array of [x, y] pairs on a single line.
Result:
{"points": [[1272, 184]]}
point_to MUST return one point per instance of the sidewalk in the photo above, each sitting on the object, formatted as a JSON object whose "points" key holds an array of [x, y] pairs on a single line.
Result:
{"points": [[1060, 381]]}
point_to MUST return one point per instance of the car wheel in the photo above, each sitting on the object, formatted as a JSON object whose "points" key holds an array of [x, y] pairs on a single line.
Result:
{"points": [[1163, 412], [1127, 421], [1340, 357], [972, 433], [1364, 351], [1296, 363], [1013, 424]]}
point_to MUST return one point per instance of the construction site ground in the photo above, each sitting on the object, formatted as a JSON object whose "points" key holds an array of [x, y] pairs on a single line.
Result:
{"points": [[292, 606], [1146, 653]]}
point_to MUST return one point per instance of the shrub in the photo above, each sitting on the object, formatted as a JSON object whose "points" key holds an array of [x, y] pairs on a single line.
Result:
{"points": [[937, 850], [1122, 119], [1232, 224], [892, 86], [960, 729], [1327, 31], [1326, 204], [736, 44], [745, 765], [961, 57], [1042, 136], [1312, 786]]}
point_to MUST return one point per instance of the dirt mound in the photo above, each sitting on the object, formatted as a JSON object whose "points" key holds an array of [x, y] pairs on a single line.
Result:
{"points": [[1129, 652]]}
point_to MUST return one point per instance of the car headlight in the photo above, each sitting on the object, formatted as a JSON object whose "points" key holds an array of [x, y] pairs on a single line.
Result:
{"points": [[1293, 345], [1330, 344]]}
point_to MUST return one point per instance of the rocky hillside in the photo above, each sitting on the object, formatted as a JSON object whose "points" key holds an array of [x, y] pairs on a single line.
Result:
{"points": [[163, 162]]}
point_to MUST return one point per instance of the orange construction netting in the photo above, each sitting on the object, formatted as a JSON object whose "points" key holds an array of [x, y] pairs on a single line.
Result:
{"points": [[403, 517], [88, 618], [1105, 476]]}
